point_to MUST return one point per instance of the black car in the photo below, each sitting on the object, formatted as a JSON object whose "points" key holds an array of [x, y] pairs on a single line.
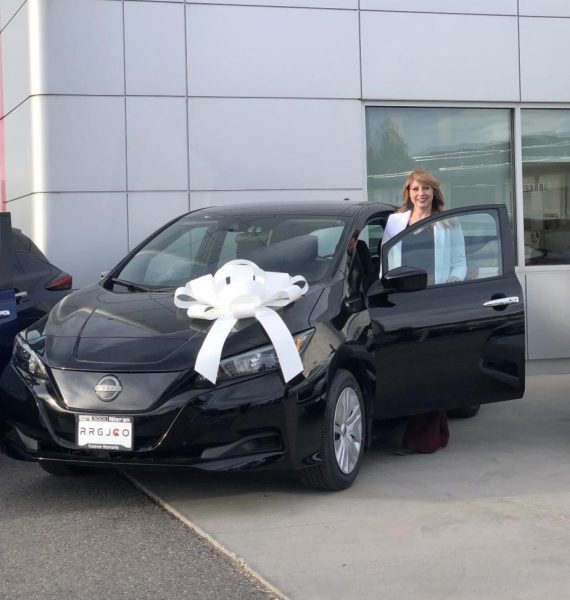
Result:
{"points": [[31, 283], [110, 376]]}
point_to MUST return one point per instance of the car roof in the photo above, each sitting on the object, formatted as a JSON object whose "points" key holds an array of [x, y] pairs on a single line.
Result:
{"points": [[345, 208]]}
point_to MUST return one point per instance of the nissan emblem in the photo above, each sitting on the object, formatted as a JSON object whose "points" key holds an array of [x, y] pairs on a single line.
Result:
{"points": [[108, 388]]}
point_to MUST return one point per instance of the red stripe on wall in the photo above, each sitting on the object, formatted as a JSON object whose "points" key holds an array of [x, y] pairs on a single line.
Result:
{"points": [[2, 156]]}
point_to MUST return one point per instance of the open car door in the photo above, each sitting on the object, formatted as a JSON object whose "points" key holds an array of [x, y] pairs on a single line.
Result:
{"points": [[8, 316], [447, 315]]}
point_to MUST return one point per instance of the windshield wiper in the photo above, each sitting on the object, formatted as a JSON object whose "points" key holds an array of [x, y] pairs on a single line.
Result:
{"points": [[132, 287]]}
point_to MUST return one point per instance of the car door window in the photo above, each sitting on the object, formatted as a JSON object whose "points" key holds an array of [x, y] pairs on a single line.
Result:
{"points": [[372, 235], [364, 263], [465, 247]]}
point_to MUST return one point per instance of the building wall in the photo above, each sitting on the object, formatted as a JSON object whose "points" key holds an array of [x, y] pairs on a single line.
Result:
{"points": [[121, 114]]}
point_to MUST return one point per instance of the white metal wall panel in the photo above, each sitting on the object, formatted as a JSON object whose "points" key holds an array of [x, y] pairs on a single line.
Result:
{"points": [[245, 51], [18, 151], [214, 198], [150, 210], [544, 8], [439, 57], [346, 4], [82, 47], [275, 144], [84, 141], [16, 60], [8, 9], [488, 7], [83, 251], [155, 48], [548, 314], [274, 110], [157, 144], [545, 48]]}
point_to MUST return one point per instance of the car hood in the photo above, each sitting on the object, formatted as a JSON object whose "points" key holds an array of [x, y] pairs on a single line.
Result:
{"points": [[97, 329]]}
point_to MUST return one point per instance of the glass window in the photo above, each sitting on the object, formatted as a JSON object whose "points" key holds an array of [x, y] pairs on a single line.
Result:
{"points": [[372, 235], [546, 181], [202, 243], [467, 149], [463, 248], [174, 262]]}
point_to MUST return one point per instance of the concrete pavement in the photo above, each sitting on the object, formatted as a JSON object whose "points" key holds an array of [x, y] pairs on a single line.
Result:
{"points": [[486, 518]]}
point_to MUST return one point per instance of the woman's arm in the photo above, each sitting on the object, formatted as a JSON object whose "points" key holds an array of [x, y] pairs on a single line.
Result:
{"points": [[388, 232], [458, 263]]}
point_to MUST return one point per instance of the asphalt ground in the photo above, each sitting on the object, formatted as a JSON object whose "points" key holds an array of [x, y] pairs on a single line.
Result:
{"points": [[99, 537]]}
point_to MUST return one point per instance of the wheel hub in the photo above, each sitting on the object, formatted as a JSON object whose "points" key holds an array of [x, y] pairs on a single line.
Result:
{"points": [[347, 430]]}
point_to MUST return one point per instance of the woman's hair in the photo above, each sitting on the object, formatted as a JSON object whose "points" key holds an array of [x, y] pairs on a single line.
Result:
{"points": [[425, 178]]}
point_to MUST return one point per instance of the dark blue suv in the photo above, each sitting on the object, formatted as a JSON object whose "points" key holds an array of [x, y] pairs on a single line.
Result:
{"points": [[29, 285], [8, 315]]}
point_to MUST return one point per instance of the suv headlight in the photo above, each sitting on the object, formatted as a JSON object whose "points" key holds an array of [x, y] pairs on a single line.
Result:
{"points": [[27, 360], [258, 360]]}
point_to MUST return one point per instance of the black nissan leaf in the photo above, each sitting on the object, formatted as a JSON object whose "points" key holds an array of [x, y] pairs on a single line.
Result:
{"points": [[108, 378]]}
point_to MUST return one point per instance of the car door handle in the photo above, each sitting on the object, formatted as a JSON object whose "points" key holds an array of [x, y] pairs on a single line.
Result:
{"points": [[4, 314], [502, 301]]}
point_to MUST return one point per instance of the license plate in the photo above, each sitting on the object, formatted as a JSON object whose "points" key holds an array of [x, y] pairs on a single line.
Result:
{"points": [[99, 432]]}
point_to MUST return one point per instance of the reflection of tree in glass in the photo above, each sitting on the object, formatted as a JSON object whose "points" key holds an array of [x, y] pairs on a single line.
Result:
{"points": [[388, 151]]}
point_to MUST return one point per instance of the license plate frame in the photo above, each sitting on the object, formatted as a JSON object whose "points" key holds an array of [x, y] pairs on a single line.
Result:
{"points": [[104, 432]]}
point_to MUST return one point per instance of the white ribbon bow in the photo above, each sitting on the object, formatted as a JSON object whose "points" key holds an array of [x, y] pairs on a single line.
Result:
{"points": [[240, 290]]}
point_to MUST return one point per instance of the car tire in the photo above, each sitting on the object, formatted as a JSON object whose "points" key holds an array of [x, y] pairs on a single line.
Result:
{"points": [[465, 412], [61, 469], [342, 437]]}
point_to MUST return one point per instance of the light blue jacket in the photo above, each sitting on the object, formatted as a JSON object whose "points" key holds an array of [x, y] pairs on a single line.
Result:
{"points": [[449, 247]]}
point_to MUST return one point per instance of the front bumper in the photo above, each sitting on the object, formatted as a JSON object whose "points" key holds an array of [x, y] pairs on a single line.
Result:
{"points": [[245, 424]]}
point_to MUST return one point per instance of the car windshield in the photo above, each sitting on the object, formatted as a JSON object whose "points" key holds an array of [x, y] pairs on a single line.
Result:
{"points": [[201, 243]]}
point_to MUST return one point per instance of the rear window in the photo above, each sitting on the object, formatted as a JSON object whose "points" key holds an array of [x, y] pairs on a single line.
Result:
{"points": [[22, 243]]}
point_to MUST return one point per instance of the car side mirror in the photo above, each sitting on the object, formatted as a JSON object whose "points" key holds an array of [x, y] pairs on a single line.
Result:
{"points": [[400, 279], [405, 279], [355, 304]]}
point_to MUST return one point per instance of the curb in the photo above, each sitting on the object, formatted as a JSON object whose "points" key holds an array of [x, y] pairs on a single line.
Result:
{"points": [[238, 560]]}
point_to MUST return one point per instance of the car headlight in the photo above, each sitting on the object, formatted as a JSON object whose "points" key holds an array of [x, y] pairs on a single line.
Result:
{"points": [[27, 360], [258, 360]]}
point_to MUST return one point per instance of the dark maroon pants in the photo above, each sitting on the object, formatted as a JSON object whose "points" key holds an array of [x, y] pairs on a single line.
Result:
{"points": [[426, 433]]}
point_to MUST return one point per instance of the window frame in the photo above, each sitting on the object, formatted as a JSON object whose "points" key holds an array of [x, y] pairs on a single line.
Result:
{"points": [[516, 148]]}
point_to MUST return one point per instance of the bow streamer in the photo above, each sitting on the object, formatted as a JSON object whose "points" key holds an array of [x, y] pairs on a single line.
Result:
{"points": [[241, 290]]}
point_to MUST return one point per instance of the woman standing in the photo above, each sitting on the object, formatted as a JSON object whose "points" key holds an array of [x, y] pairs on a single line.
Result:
{"points": [[442, 256]]}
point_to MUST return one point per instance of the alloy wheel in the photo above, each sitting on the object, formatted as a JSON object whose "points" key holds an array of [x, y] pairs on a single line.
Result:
{"points": [[347, 430]]}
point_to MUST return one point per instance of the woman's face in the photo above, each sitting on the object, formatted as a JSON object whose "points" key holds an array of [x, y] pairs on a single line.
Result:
{"points": [[421, 195]]}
